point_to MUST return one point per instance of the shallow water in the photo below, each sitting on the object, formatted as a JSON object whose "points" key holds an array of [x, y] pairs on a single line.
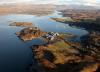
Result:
{"points": [[16, 55]]}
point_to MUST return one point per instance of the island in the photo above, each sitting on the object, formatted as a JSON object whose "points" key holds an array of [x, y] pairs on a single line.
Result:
{"points": [[22, 24], [30, 33]]}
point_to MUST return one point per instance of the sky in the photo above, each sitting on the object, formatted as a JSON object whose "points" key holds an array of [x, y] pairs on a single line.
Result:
{"points": [[78, 2]]}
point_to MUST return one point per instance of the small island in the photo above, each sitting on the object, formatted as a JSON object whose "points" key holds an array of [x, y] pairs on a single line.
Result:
{"points": [[22, 24], [30, 33]]}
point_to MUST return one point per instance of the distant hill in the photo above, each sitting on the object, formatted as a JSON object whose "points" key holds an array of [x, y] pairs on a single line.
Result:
{"points": [[27, 8], [30, 8], [80, 7]]}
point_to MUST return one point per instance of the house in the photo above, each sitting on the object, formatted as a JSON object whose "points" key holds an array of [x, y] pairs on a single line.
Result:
{"points": [[51, 35]]}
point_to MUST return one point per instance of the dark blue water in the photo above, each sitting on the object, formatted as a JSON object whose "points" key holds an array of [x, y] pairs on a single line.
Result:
{"points": [[16, 55]]}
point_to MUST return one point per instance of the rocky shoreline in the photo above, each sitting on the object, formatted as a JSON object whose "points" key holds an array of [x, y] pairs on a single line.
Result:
{"points": [[53, 58], [30, 33], [59, 55], [83, 23]]}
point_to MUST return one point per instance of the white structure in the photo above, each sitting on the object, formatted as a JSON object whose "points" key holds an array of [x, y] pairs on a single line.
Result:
{"points": [[51, 35]]}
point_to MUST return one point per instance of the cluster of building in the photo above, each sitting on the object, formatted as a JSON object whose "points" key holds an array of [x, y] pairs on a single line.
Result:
{"points": [[51, 35]]}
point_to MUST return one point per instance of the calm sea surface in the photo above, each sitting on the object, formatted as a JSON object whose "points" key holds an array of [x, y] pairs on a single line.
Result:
{"points": [[16, 55]]}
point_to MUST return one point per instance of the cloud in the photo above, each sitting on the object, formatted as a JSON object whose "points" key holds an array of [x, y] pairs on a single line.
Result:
{"points": [[45, 1], [14, 0], [80, 2], [87, 1], [90, 2]]}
